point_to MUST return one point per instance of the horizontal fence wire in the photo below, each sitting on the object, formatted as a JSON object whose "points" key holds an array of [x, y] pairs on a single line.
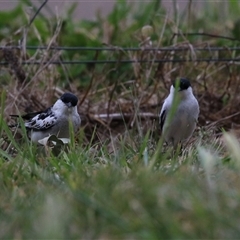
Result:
{"points": [[171, 58], [113, 48], [229, 60]]}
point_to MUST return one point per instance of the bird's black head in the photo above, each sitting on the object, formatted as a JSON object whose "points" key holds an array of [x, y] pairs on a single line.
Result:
{"points": [[69, 99], [182, 83]]}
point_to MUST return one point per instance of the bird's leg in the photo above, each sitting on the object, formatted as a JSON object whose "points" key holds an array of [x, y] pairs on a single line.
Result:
{"points": [[177, 149], [180, 148]]}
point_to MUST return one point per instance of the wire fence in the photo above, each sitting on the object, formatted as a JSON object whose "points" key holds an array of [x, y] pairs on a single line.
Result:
{"points": [[115, 48], [213, 54], [192, 57]]}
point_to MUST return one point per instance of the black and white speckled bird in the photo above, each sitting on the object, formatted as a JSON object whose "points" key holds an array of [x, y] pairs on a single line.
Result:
{"points": [[54, 120], [180, 126]]}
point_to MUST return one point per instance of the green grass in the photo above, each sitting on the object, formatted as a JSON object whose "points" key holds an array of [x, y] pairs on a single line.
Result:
{"points": [[118, 181], [89, 193]]}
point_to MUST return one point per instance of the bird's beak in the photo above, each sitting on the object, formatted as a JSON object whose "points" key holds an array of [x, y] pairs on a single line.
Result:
{"points": [[69, 104]]}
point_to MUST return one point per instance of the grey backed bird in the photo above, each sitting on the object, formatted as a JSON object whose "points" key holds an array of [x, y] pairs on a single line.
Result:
{"points": [[179, 122], [54, 120]]}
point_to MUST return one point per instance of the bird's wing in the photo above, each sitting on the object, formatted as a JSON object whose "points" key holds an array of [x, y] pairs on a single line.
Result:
{"points": [[42, 121], [163, 115], [165, 109]]}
